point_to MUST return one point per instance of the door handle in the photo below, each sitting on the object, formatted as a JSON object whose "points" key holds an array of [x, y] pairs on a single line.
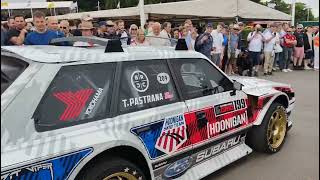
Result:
{"points": [[201, 119]]}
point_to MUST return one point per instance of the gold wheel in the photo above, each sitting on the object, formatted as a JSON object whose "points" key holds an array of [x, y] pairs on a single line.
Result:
{"points": [[277, 127], [121, 176]]}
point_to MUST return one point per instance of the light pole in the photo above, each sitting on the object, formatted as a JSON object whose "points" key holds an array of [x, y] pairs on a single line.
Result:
{"points": [[308, 14]]}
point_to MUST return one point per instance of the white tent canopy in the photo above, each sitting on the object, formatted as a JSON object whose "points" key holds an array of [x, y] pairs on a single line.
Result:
{"points": [[194, 8]]}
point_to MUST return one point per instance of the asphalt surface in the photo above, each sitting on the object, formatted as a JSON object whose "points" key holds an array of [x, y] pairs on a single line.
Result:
{"points": [[299, 157]]}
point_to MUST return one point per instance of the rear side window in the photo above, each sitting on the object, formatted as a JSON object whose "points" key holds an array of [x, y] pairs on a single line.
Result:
{"points": [[78, 94], [11, 68], [199, 78], [145, 84]]}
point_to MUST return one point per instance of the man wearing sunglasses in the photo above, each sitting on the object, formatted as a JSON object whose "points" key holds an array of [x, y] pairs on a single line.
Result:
{"points": [[65, 28], [299, 48]]}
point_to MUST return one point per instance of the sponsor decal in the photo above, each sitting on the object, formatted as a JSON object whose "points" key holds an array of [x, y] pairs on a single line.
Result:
{"points": [[173, 134], [177, 168], [52, 169], [75, 102], [230, 106], [200, 155], [139, 81], [212, 151], [227, 124], [141, 100], [163, 78], [94, 101]]}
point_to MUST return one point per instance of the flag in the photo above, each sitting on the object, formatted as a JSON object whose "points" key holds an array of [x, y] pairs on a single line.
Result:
{"points": [[118, 5], [50, 5], [4, 4]]}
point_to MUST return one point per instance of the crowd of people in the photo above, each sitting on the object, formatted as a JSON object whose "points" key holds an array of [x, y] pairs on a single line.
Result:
{"points": [[266, 50]]}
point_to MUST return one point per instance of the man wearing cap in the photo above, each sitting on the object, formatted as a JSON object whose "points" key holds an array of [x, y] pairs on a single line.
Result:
{"points": [[102, 29], [204, 42], [270, 37], [299, 48], [110, 32]]}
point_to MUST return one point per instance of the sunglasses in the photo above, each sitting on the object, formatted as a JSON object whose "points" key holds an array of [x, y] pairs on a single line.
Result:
{"points": [[289, 31], [109, 25], [134, 29], [299, 28], [63, 27]]}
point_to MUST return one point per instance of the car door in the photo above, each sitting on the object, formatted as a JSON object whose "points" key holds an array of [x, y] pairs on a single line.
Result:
{"points": [[151, 105], [216, 109]]}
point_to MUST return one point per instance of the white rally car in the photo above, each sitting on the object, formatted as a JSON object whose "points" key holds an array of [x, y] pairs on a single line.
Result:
{"points": [[131, 113]]}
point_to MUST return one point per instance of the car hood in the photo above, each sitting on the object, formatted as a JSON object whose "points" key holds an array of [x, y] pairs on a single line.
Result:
{"points": [[258, 87]]}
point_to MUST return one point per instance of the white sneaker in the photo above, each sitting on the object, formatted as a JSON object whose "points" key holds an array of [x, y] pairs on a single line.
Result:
{"points": [[307, 68], [284, 70], [289, 70]]}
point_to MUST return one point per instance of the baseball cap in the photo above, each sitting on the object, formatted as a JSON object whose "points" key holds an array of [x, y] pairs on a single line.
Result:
{"points": [[102, 23], [240, 24], [210, 25], [300, 26], [109, 23]]}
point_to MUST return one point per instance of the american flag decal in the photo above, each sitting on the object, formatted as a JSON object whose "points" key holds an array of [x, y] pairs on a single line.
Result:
{"points": [[173, 135]]}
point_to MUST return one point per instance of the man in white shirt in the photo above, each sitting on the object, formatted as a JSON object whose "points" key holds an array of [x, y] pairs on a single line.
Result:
{"points": [[165, 33], [255, 40], [217, 44], [154, 37], [269, 43]]}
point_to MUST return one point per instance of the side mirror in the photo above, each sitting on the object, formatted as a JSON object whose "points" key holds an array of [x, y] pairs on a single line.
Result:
{"points": [[237, 86]]}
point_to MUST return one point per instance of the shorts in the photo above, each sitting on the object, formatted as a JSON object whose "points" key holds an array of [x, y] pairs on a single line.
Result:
{"points": [[232, 59], [255, 57], [309, 54], [216, 59], [299, 52]]}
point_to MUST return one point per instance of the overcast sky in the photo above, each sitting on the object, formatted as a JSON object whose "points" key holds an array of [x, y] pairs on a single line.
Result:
{"points": [[314, 4]]}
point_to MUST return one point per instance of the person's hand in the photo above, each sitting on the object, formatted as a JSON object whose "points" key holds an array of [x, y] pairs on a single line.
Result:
{"points": [[204, 38], [214, 49], [24, 31]]}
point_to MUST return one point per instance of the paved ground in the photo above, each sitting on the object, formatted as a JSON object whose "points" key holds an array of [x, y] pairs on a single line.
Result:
{"points": [[299, 158]]}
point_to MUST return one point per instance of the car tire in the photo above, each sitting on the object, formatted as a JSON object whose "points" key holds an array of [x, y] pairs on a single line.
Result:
{"points": [[270, 135], [111, 168]]}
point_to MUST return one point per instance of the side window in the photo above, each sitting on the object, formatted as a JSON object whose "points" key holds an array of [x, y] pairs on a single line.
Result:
{"points": [[11, 68], [78, 94], [199, 78], [145, 84]]}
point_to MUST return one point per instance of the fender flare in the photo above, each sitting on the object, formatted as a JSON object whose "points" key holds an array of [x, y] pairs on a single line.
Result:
{"points": [[275, 97], [104, 149]]}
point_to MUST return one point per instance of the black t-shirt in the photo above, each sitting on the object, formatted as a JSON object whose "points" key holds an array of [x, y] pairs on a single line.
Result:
{"points": [[12, 33], [299, 37]]}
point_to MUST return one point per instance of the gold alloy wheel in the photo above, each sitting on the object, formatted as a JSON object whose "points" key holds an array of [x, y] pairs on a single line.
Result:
{"points": [[120, 176], [277, 127]]}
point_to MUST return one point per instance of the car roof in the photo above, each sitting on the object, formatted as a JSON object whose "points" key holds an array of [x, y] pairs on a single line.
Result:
{"points": [[67, 54]]}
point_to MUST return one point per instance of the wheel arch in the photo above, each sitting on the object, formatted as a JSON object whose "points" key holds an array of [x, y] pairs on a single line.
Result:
{"points": [[281, 98], [127, 152]]}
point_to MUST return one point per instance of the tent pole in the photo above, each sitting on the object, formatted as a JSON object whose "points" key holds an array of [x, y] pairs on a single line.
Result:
{"points": [[142, 15]]}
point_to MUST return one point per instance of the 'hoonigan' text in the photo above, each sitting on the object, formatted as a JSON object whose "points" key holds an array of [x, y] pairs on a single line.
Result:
{"points": [[226, 124]]}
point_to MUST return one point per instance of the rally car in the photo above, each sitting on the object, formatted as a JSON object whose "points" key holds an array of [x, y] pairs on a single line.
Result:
{"points": [[136, 113]]}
